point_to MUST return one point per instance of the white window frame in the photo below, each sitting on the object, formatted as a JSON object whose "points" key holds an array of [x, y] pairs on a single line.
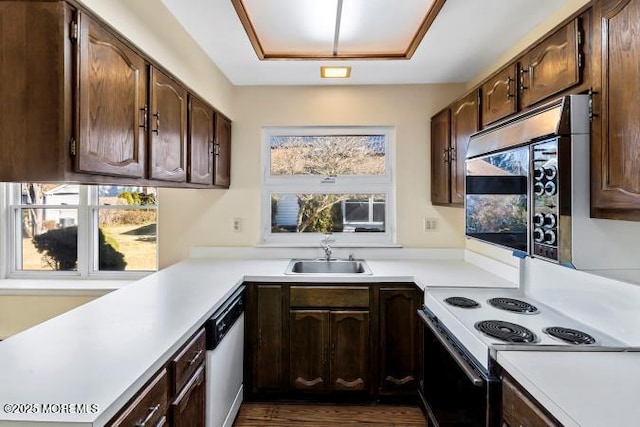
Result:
{"points": [[87, 224], [353, 184]]}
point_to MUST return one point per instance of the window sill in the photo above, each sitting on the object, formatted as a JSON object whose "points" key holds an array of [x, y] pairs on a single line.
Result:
{"points": [[60, 286], [333, 245]]}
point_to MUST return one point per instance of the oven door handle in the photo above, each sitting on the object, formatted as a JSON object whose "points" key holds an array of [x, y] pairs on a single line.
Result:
{"points": [[464, 365]]}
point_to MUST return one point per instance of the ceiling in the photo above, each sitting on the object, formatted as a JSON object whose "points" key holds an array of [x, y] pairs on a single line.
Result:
{"points": [[466, 37]]}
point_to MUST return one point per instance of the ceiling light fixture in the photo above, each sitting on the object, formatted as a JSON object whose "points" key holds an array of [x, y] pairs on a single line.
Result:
{"points": [[335, 72]]}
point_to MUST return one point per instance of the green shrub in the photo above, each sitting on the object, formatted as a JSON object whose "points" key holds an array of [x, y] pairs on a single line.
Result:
{"points": [[60, 250]]}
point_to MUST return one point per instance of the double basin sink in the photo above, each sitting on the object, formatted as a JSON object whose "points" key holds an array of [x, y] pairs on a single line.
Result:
{"points": [[324, 266]]}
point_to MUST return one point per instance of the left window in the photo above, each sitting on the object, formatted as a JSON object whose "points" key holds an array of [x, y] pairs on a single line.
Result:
{"points": [[81, 230]]}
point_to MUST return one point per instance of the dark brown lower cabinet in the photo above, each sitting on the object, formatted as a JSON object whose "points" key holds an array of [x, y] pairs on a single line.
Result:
{"points": [[188, 408], [399, 348], [519, 410], [149, 406], [328, 340]]}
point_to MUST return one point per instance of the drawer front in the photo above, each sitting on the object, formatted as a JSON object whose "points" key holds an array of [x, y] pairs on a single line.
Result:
{"points": [[188, 359], [519, 410], [329, 296], [149, 406]]}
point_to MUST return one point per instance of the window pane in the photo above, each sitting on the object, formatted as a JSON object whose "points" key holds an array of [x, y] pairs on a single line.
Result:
{"points": [[133, 196], [49, 194], [127, 239], [321, 213], [328, 155], [378, 211], [49, 239]]}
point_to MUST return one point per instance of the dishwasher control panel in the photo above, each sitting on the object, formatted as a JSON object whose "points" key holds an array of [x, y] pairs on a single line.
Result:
{"points": [[223, 320]]}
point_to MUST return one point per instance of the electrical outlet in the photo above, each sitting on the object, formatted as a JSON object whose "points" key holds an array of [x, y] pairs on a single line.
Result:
{"points": [[237, 225], [430, 224]]}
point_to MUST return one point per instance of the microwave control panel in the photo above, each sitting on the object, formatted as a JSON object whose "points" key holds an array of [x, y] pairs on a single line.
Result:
{"points": [[545, 195]]}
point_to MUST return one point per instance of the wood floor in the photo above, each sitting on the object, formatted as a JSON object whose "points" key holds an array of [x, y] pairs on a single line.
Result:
{"points": [[326, 415]]}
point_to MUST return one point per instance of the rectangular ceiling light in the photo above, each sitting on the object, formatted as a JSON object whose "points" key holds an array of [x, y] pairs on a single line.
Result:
{"points": [[335, 72]]}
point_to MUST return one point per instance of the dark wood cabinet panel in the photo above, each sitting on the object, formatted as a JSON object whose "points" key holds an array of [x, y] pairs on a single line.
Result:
{"points": [[399, 339], [189, 408], [349, 359], [188, 359], [309, 345], [520, 410], [499, 95], [552, 66], [149, 405], [112, 106], [168, 124], [615, 145], [440, 162], [266, 346], [222, 151], [464, 122], [201, 142]]}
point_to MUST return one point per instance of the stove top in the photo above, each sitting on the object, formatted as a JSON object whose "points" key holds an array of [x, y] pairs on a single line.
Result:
{"points": [[506, 319]]}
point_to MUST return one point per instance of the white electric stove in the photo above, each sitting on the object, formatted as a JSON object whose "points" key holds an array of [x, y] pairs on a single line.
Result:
{"points": [[484, 321]]}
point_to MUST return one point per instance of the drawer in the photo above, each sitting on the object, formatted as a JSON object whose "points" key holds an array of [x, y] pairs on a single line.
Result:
{"points": [[149, 406], [329, 296], [519, 410], [187, 360]]}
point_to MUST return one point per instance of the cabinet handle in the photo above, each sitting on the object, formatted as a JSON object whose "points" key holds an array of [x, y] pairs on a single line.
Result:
{"points": [[333, 351], [509, 80], [445, 155], [452, 154], [212, 145], [522, 86], [157, 129], [152, 410], [145, 117], [260, 338], [195, 357], [216, 148]]}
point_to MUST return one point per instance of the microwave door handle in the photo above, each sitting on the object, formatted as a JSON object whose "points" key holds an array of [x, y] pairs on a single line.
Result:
{"points": [[464, 365]]}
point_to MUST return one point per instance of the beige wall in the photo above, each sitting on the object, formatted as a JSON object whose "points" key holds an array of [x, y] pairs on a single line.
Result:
{"points": [[18, 313], [208, 216]]}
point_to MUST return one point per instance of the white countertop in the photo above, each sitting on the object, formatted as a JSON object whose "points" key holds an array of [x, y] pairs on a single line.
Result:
{"points": [[586, 389], [101, 353]]}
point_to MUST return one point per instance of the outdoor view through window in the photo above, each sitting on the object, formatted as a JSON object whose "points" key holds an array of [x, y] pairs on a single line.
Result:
{"points": [[328, 183], [71, 227]]}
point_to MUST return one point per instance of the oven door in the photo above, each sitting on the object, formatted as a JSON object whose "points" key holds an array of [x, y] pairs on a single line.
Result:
{"points": [[496, 198], [456, 391]]}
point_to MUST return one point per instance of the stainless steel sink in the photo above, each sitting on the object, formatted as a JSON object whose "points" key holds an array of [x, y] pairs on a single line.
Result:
{"points": [[322, 266]]}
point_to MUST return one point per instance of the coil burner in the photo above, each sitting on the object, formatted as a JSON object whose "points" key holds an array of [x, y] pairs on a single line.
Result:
{"points": [[505, 331], [514, 305]]}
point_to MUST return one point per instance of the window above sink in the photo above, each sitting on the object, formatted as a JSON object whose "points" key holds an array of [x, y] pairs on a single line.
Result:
{"points": [[335, 180]]}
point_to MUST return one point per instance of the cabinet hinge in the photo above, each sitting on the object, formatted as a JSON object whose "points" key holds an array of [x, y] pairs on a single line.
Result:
{"points": [[579, 38], [580, 60], [73, 31], [591, 113], [72, 147]]}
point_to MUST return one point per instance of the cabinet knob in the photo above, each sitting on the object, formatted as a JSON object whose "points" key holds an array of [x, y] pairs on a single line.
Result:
{"points": [[157, 129]]}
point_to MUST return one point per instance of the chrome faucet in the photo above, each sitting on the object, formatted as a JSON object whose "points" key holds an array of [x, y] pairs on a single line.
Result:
{"points": [[326, 246]]}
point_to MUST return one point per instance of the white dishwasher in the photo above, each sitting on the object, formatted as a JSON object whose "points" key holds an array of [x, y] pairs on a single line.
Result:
{"points": [[225, 353]]}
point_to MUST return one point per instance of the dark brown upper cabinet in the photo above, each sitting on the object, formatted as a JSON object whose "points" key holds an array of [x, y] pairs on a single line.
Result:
{"points": [[201, 142], [552, 66], [465, 121], [499, 95], [615, 143], [112, 110], [168, 141], [222, 151], [440, 162]]}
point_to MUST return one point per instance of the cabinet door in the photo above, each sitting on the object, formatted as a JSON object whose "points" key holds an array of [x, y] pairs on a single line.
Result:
{"points": [[188, 408], [440, 164], [222, 151], [464, 123], [201, 139], [148, 406], [552, 66], [519, 410], [398, 340], [112, 98], [264, 304], [309, 347], [349, 358], [499, 95], [168, 148], [615, 145]]}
